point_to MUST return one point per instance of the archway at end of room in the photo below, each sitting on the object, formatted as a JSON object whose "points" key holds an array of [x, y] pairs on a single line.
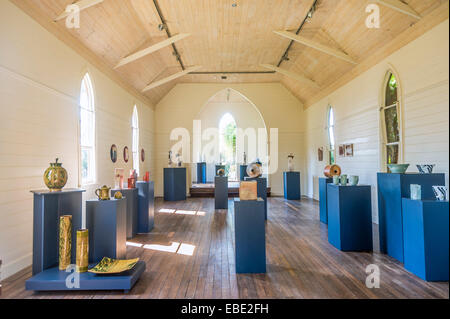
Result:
{"points": [[227, 111]]}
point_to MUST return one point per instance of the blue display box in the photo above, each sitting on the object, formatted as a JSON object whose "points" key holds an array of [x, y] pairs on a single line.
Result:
{"points": [[47, 208], [107, 225], [350, 217], [242, 172], [323, 207], [250, 236], [146, 206], [261, 190], [131, 196], [53, 279], [391, 189], [174, 183], [201, 173], [221, 192], [426, 238], [292, 185]]}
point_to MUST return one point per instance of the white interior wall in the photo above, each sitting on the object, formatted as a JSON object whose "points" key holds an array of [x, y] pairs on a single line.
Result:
{"points": [[422, 69], [40, 80]]}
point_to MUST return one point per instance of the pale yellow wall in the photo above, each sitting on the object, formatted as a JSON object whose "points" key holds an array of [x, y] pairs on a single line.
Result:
{"points": [[422, 69], [40, 81], [277, 106]]}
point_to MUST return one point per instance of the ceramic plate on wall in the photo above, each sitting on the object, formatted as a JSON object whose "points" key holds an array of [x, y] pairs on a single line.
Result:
{"points": [[126, 156], [113, 153]]}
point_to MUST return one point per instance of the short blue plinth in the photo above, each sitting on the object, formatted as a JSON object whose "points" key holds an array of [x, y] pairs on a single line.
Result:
{"points": [[107, 225], [146, 206], [131, 196], [350, 217], [242, 172], [261, 190], [174, 183], [221, 192], [291, 185], [425, 238], [53, 279], [323, 207], [250, 236], [47, 208], [201, 173], [391, 189]]}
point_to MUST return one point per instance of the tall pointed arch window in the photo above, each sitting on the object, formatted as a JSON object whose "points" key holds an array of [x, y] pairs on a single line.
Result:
{"points": [[87, 131], [331, 138], [135, 144], [390, 121]]}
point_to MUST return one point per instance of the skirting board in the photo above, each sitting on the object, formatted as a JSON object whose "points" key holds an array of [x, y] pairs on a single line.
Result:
{"points": [[7, 270]]}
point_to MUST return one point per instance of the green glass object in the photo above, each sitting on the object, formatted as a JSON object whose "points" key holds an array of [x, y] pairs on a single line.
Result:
{"points": [[398, 168], [353, 180], [416, 192], [344, 180]]}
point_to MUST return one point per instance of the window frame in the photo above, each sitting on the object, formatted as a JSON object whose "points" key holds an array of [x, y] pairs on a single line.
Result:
{"points": [[135, 139]]}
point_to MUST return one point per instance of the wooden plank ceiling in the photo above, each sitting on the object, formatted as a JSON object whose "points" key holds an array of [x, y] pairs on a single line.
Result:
{"points": [[231, 36]]}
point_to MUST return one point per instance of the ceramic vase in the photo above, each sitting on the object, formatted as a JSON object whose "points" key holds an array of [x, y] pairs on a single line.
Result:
{"points": [[416, 191], [336, 180], [55, 177], [82, 258], [291, 163], [344, 180], [65, 241], [425, 168], [353, 180], [440, 192]]}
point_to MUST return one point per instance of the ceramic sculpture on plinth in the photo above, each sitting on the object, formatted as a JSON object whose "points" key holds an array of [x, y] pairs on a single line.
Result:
{"points": [[82, 257], [103, 193], [353, 180], [118, 178], [397, 168], [65, 241], [440, 192], [55, 177], [245, 158], [179, 160], [170, 163], [220, 172], [291, 162], [425, 168], [254, 169], [332, 170], [248, 190]]}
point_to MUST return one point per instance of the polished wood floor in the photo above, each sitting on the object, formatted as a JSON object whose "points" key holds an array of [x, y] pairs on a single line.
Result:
{"points": [[195, 259]]}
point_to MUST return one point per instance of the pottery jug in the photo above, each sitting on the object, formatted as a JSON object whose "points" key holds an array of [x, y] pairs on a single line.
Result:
{"points": [[55, 177], [103, 193]]}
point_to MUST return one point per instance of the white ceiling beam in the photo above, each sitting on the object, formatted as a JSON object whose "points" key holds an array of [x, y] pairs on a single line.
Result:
{"points": [[312, 44], [151, 49], [82, 4], [293, 75], [170, 78], [400, 7]]}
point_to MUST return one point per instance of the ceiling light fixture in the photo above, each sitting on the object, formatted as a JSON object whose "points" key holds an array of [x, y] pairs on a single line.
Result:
{"points": [[234, 5]]}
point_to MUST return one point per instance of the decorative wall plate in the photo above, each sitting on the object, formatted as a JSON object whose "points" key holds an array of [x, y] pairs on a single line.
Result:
{"points": [[113, 153], [126, 155], [142, 155], [108, 266]]}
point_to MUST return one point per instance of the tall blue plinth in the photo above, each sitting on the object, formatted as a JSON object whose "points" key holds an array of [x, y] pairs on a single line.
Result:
{"points": [[391, 189], [174, 183], [221, 192], [131, 196], [201, 173], [107, 224], [291, 182], [146, 206], [323, 213], [350, 217], [47, 208], [261, 190], [242, 172], [425, 238], [250, 236]]}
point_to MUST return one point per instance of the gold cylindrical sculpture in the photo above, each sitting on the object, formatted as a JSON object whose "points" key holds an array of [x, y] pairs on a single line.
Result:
{"points": [[65, 241], [82, 250]]}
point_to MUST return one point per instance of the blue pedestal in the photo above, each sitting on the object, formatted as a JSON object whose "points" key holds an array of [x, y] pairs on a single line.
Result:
{"points": [[425, 238], [47, 208], [131, 196], [107, 224], [174, 183], [261, 190], [242, 172], [221, 192], [323, 207], [250, 236], [391, 189], [350, 217], [292, 185], [201, 173], [146, 206], [53, 279]]}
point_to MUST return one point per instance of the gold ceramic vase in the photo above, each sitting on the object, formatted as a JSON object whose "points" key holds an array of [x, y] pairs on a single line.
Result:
{"points": [[65, 241], [55, 177], [82, 261]]}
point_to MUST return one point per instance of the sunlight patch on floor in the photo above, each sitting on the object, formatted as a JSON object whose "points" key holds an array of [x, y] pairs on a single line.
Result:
{"points": [[129, 243]]}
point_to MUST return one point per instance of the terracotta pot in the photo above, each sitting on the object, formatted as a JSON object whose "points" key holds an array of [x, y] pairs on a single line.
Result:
{"points": [[332, 170], [55, 177]]}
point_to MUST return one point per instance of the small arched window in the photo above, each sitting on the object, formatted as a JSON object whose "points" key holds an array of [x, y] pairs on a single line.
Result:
{"points": [[135, 144], [331, 138], [391, 124], [87, 131]]}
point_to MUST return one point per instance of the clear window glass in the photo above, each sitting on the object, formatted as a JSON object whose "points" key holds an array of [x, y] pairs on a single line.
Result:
{"points": [[87, 131], [331, 137], [391, 121], [135, 142]]}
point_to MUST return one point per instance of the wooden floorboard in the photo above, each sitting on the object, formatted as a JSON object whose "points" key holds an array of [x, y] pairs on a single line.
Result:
{"points": [[300, 261]]}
